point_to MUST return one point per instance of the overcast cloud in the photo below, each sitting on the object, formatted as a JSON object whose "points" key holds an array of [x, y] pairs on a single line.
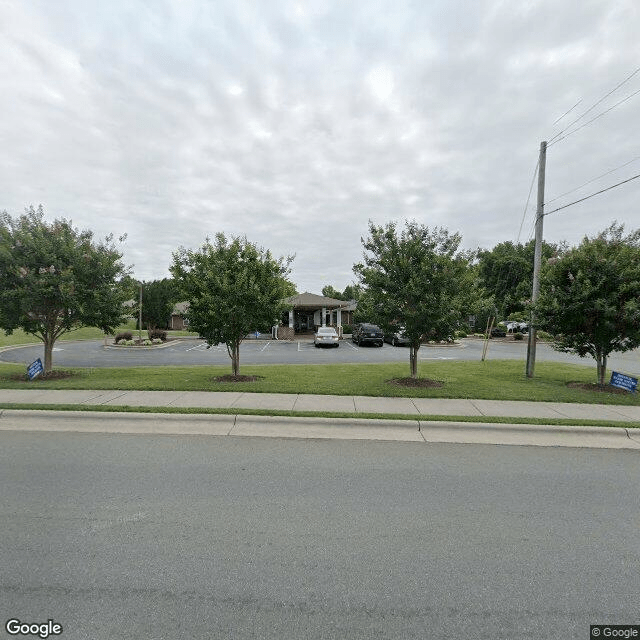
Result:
{"points": [[294, 123]]}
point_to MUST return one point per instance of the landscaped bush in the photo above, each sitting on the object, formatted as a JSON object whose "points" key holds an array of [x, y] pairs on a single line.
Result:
{"points": [[125, 335], [461, 334], [543, 335], [156, 341], [518, 336], [147, 343], [346, 328], [158, 333]]}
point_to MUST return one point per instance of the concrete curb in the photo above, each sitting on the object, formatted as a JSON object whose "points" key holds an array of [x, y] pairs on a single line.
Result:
{"points": [[317, 428]]}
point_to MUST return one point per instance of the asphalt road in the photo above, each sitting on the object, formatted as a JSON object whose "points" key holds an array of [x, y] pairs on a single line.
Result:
{"points": [[192, 352], [164, 537]]}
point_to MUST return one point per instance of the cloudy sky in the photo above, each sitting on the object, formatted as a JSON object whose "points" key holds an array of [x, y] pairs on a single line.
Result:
{"points": [[295, 123]]}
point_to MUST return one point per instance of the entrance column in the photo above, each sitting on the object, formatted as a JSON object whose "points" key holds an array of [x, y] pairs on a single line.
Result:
{"points": [[324, 316], [291, 317], [339, 320]]}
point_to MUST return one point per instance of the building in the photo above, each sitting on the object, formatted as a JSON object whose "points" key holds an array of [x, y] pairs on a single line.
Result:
{"points": [[310, 311]]}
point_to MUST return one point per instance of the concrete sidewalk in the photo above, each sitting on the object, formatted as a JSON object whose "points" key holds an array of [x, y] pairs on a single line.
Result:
{"points": [[349, 404], [419, 429]]}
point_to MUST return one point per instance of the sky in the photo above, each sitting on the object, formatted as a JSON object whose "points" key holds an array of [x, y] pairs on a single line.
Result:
{"points": [[296, 123]]}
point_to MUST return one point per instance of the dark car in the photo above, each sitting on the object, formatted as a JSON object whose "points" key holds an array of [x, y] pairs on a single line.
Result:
{"points": [[397, 338], [366, 333]]}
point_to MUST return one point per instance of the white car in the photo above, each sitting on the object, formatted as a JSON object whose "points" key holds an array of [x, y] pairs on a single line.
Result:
{"points": [[326, 337]]}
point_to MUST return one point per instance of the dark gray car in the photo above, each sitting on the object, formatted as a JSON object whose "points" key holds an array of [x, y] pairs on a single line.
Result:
{"points": [[366, 333]]}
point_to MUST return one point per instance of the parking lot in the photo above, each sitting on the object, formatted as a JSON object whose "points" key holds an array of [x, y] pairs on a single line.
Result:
{"points": [[187, 352]]}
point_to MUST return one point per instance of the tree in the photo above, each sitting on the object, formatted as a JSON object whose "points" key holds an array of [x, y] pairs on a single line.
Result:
{"points": [[590, 296], [351, 292], [416, 279], [233, 288], [54, 278], [158, 300], [506, 272]]}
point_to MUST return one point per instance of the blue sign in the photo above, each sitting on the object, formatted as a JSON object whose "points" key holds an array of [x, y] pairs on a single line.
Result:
{"points": [[35, 369], [623, 382]]}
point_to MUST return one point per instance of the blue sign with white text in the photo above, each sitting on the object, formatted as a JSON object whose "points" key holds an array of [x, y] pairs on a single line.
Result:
{"points": [[35, 369], [623, 381]]}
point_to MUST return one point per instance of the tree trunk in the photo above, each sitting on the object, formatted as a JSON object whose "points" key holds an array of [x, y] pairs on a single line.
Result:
{"points": [[235, 360], [413, 360], [601, 364], [48, 354]]}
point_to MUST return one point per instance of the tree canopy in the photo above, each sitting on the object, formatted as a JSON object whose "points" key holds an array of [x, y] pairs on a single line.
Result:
{"points": [[54, 278], [590, 296], [416, 279], [233, 288], [506, 273], [158, 299]]}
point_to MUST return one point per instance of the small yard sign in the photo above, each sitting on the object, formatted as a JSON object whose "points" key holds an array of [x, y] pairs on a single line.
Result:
{"points": [[623, 381], [35, 369]]}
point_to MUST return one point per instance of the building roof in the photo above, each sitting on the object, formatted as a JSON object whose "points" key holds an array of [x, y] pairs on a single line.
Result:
{"points": [[311, 300]]}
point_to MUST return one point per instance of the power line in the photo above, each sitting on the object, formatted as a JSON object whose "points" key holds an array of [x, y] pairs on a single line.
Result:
{"points": [[595, 118], [593, 194], [566, 193], [567, 112], [526, 206], [593, 106]]}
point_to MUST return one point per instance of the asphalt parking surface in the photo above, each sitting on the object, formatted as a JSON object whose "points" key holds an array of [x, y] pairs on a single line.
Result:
{"points": [[188, 352]]}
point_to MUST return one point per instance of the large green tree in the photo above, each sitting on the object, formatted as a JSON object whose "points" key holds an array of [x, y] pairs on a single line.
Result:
{"points": [[158, 299], [416, 278], [506, 273], [54, 278], [590, 296], [233, 288]]}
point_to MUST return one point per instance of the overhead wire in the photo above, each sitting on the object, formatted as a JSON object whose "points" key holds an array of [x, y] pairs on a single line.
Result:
{"points": [[567, 112], [526, 206], [594, 194], [550, 144], [566, 193], [593, 106]]}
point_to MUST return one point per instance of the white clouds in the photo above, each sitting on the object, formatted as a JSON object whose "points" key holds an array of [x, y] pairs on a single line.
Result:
{"points": [[175, 120]]}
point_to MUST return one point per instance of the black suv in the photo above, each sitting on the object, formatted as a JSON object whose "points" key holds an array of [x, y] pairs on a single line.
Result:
{"points": [[367, 333]]}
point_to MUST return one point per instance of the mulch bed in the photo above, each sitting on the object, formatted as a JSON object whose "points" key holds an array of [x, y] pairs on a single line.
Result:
{"points": [[421, 383], [232, 378], [592, 386]]}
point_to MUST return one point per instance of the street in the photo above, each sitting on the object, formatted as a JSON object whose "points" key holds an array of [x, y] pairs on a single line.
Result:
{"points": [[131, 536]]}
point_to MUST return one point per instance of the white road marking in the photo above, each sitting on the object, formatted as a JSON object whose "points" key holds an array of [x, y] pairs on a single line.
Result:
{"points": [[265, 346]]}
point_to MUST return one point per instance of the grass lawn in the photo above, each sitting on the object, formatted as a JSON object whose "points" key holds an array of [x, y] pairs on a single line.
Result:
{"points": [[86, 333], [492, 380]]}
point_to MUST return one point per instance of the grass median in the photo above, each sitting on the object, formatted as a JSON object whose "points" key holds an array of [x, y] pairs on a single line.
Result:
{"points": [[489, 380]]}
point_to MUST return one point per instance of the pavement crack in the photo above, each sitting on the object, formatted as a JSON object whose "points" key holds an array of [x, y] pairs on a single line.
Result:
{"points": [[476, 407]]}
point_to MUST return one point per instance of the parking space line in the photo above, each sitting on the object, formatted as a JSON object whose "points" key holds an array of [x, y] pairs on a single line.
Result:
{"points": [[352, 346], [265, 346]]}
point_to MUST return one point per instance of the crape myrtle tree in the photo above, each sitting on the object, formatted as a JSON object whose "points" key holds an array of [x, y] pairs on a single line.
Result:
{"points": [[415, 278], [233, 288], [54, 278], [590, 296]]}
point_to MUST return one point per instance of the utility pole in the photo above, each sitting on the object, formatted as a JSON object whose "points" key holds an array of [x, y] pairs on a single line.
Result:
{"points": [[537, 260], [140, 316]]}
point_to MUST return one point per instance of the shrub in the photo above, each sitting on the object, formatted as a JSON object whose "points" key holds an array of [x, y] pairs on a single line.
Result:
{"points": [[461, 334], [158, 333], [346, 328], [518, 336], [125, 335], [147, 343], [156, 341], [543, 335]]}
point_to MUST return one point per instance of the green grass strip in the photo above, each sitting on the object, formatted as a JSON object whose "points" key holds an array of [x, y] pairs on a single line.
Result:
{"points": [[320, 414]]}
